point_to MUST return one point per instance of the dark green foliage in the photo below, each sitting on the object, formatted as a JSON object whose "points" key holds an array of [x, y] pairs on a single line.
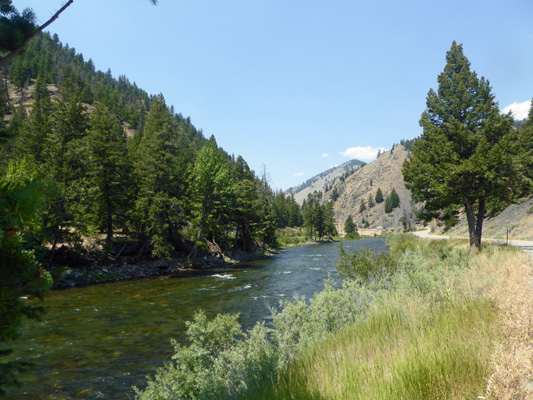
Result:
{"points": [[37, 127], [395, 199], [350, 229], [349, 225], [318, 218], [334, 194], [210, 183], [379, 196], [287, 211], [20, 274], [362, 206], [63, 165], [139, 184], [160, 165], [464, 157], [108, 172]]}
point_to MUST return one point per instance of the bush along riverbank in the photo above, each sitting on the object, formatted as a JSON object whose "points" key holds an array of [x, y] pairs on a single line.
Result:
{"points": [[426, 320]]}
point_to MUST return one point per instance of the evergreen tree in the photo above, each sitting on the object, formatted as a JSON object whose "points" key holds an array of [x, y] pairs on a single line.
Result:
{"points": [[334, 194], [246, 197], [63, 165], [362, 206], [160, 165], [462, 158], [395, 199], [36, 128], [370, 201], [210, 182], [379, 196], [329, 220], [295, 214], [349, 225], [108, 171], [21, 198], [388, 204]]}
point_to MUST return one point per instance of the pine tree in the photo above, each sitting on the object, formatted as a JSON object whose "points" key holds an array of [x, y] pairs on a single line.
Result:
{"points": [[462, 159], [108, 171], [63, 165], [395, 199], [21, 198], [210, 183], [370, 201], [362, 206], [245, 199], [379, 196], [349, 225], [161, 160], [36, 128], [388, 204]]}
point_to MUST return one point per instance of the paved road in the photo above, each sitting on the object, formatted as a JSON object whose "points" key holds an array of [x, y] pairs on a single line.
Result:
{"points": [[526, 245]]}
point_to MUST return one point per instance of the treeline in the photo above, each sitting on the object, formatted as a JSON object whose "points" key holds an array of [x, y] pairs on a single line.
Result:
{"points": [[162, 184]]}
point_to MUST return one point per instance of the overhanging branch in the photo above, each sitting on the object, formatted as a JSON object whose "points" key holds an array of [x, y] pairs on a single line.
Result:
{"points": [[11, 55]]}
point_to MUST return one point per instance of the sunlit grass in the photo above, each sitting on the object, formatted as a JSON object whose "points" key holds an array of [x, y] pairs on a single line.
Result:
{"points": [[389, 354], [411, 344]]}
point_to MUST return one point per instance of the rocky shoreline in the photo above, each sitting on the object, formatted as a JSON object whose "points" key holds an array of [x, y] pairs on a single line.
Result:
{"points": [[126, 270]]}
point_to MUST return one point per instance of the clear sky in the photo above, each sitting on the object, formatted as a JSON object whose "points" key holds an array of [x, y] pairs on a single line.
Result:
{"points": [[300, 86]]}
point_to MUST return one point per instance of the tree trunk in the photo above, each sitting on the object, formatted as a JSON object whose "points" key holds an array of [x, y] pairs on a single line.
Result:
{"points": [[475, 223], [109, 218], [200, 231]]}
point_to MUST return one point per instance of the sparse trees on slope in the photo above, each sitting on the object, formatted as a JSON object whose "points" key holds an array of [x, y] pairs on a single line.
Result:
{"points": [[462, 157], [370, 201], [362, 206]]}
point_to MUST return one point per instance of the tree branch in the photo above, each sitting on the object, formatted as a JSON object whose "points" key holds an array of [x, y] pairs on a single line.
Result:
{"points": [[11, 55]]}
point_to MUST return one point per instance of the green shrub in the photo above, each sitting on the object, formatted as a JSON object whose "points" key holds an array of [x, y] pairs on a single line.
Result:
{"points": [[365, 265], [221, 362]]}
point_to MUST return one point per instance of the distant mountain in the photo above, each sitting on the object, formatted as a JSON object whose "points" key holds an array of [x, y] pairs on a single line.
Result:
{"points": [[322, 182], [384, 173]]}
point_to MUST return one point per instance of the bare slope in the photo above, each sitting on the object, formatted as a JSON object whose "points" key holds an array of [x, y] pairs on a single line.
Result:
{"points": [[320, 181], [385, 173]]}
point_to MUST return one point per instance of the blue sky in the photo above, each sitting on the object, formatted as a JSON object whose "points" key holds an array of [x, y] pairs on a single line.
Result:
{"points": [[299, 86]]}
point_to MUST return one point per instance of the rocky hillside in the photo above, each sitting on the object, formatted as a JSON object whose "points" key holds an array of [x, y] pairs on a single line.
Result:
{"points": [[385, 173], [517, 220], [323, 181]]}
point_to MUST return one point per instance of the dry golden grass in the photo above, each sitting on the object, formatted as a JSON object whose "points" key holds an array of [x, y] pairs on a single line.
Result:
{"points": [[512, 376]]}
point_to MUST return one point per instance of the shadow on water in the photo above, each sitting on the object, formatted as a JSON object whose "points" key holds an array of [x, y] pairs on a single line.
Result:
{"points": [[98, 341]]}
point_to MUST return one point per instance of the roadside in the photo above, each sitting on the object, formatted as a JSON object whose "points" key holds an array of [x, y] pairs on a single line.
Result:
{"points": [[526, 245]]}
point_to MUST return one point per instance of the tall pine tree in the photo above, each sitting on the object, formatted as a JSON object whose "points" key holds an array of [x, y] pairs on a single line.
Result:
{"points": [[462, 159]]}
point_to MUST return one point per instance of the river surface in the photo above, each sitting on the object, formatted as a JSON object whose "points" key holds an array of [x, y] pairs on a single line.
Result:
{"points": [[96, 342]]}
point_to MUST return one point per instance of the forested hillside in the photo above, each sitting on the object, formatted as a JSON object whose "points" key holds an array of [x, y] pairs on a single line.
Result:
{"points": [[119, 165]]}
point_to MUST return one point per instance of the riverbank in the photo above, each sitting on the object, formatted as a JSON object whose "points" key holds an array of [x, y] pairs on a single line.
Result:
{"points": [[124, 269], [438, 322]]}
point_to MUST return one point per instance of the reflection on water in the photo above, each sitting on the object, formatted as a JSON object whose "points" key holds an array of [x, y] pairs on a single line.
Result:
{"points": [[98, 341]]}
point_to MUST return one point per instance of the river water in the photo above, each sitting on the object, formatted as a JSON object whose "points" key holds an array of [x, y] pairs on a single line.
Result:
{"points": [[96, 342]]}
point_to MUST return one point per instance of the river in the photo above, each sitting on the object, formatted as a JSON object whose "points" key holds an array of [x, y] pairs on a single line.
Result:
{"points": [[96, 342]]}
